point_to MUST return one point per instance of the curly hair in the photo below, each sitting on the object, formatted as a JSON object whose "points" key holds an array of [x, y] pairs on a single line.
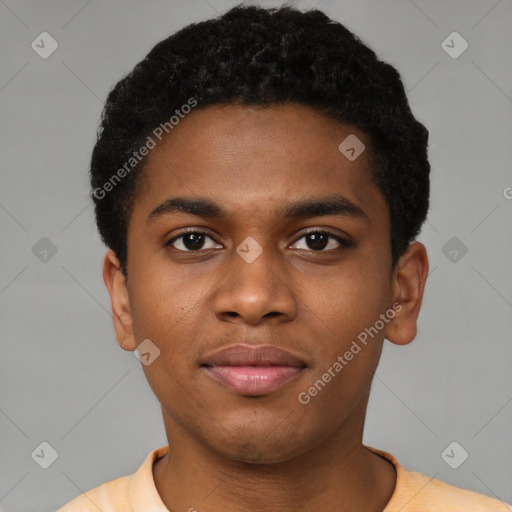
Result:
{"points": [[264, 56]]}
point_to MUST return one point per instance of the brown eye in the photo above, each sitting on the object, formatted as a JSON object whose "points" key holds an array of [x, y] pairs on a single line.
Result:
{"points": [[322, 241], [317, 241], [192, 241]]}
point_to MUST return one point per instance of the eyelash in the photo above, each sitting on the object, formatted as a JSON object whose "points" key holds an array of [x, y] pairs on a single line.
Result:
{"points": [[344, 243]]}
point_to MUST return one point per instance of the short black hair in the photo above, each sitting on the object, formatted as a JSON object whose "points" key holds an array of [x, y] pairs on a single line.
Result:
{"points": [[262, 56]]}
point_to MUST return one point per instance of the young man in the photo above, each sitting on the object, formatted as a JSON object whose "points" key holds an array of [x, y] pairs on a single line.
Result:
{"points": [[259, 180]]}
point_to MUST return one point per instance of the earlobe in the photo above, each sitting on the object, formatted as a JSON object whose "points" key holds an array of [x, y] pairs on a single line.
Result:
{"points": [[121, 312], [409, 280]]}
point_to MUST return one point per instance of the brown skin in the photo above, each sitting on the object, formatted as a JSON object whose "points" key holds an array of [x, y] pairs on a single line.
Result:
{"points": [[228, 451]]}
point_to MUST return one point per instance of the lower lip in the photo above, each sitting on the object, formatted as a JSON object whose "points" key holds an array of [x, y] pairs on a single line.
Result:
{"points": [[253, 380]]}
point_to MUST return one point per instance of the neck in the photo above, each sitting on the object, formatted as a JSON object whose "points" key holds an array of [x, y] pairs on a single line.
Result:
{"points": [[337, 475]]}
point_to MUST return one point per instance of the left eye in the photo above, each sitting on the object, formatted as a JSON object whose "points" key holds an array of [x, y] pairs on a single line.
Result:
{"points": [[322, 240]]}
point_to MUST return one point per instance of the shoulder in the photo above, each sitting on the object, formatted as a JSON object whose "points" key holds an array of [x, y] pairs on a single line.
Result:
{"points": [[135, 491], [104, 497], [440, 496], [417, 492]]}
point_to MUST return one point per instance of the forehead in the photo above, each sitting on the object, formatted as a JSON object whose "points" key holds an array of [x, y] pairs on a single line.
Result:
{"points": [[245, 157]]}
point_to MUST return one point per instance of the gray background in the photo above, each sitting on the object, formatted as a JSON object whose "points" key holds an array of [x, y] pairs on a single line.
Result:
{"points": [[63, 378]]}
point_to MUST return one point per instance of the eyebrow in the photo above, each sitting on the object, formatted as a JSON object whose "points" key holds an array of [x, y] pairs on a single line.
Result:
{"points": [[332, 205]]}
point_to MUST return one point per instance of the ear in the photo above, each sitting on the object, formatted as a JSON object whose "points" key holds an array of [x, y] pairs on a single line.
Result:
{"points": [[119, 298], [408, 282]]}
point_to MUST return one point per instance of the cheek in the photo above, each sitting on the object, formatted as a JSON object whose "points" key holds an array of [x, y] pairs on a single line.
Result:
{"points": [[347, 304], [163, 303], [168, 309], [348, 348]]}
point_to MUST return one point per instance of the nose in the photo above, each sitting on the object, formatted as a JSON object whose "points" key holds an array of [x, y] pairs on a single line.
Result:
{"points": [[255, 292]]}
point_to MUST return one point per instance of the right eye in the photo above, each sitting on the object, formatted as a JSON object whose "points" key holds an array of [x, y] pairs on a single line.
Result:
{"points": [[191, 241]]}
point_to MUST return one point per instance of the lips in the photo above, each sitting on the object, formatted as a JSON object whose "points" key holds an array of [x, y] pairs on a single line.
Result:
{"points": [[253, 370]]}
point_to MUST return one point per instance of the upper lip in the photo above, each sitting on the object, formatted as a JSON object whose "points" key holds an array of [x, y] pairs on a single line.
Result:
{"points": [[253, 355]]}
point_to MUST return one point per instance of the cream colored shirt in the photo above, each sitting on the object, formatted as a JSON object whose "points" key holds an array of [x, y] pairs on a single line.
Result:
{"points": [[414, 492]]}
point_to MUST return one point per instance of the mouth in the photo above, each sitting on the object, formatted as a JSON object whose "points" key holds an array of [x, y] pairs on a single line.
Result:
{"points": [[253, 370]]}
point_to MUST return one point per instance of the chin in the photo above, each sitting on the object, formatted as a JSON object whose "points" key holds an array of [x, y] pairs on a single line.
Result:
{"points": [[252, 444], [252, 453]]}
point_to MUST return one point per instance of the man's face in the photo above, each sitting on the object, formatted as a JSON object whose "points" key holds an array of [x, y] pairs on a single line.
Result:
{"points": [[306, 293]]}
